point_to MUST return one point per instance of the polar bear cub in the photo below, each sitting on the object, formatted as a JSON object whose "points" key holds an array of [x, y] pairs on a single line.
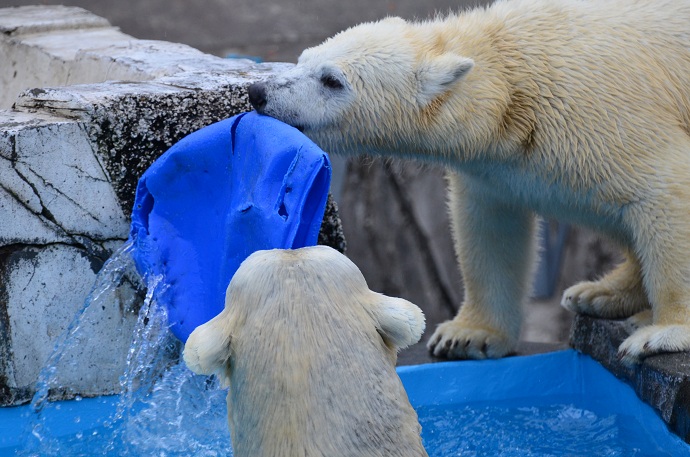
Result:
{"points": [[573, 109], [309, 354]]}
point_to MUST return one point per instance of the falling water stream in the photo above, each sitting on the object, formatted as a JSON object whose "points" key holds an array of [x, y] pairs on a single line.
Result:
{"points": [[163, 409]]}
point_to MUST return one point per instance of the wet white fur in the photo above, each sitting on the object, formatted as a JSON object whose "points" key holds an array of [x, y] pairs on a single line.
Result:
{"points": [[309, 354], [578, 110]]}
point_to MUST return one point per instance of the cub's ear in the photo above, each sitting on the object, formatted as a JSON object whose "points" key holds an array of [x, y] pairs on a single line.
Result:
{"points": [[437, 74], [207, 350], [399, 322]]}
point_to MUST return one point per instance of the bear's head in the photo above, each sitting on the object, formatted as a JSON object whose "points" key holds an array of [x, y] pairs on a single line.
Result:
{"points": [[280, 299], [377, 87]]}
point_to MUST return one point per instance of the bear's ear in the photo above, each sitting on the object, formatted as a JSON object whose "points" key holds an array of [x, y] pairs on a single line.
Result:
{"points": [[437, 74], [207, 350], [399, 322]]}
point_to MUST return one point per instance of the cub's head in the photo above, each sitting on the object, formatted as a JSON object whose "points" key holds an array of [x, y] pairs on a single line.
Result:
{"points": [[369, 88], [298, 302]]}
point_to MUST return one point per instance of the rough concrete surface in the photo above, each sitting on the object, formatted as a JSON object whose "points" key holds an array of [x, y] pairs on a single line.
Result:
{"points": [[40, 170], [40, 46], [43, 278]]}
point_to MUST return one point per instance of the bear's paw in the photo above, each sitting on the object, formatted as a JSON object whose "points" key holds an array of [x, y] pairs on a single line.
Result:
{"points": [[604, 299], [456, 340], [654, 339]]}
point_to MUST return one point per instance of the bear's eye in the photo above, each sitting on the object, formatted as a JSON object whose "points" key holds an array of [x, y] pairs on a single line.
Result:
{"points": [[331, 82]]}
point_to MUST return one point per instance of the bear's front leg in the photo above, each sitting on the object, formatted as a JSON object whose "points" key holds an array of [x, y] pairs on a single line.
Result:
{"points": [[662, 243], [494, 242]]}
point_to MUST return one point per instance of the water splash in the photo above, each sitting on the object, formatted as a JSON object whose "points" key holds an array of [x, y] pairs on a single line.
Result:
{"points": [[184, 415], [70, 342], [163, 408], [149, 354]]}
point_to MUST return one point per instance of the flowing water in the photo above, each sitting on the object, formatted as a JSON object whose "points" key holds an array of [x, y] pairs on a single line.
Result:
{"points": [[166, 411], [163, 408]]}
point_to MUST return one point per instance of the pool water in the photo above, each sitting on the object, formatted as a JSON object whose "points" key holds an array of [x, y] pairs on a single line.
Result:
{"points": [[557, 404], [185, 414], [557, 427]]}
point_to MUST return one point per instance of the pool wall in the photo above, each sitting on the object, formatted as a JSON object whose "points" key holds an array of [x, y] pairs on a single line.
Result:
{"points": [[662, 381]]}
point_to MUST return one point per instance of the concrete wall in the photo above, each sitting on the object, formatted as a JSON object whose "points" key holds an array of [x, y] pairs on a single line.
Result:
{"points": [[70, 158], [72, 153], [60, 46]]}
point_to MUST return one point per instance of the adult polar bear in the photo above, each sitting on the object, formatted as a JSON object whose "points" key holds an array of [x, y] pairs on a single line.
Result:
{"points": [[578, 110]]}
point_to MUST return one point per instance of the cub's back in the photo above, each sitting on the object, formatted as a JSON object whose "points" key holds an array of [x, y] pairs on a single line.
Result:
{"points": [[310, 373]]}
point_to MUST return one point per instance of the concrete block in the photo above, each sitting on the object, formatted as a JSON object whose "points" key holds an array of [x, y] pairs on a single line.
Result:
{"points": [[62, 221], [29, 221], [52, 179], [60, 46], [39, 46], [26, 20], [42, 289]]}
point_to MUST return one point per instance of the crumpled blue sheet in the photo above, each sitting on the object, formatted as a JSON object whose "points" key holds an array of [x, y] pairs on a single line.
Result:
{"points": [[240, 185]]}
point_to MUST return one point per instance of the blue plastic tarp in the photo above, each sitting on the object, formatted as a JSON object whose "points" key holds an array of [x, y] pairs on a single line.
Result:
{"points": [[241, 185]]}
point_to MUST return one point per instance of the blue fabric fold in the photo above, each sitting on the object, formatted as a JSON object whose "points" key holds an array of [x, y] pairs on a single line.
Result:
{"points": [[240, 185]]}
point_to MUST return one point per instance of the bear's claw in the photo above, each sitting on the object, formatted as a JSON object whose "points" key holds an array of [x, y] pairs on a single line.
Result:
{"points": [[654, 339], [452, 340]]}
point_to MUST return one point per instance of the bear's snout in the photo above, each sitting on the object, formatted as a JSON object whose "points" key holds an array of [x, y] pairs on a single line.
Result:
{"points": [[257, 96]]}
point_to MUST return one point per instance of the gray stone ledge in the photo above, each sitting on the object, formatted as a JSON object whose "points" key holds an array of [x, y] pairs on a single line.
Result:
{"points": [[133, 123], [24, 20], [663, 381]]}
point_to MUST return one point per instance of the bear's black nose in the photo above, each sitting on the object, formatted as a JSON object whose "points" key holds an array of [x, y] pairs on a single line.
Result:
{"points": [[257, 96]]}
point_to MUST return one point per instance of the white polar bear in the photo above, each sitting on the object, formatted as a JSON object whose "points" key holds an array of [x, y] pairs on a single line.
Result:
{"points": [[577, 110], [309, 354]]}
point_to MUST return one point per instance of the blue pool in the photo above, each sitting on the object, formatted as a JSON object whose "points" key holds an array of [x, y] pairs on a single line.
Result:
{"points": [[557, 404]]}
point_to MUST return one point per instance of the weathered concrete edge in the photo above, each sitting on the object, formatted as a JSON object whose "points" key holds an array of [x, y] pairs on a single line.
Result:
{"points": [[663, 381], [131, 124]]}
